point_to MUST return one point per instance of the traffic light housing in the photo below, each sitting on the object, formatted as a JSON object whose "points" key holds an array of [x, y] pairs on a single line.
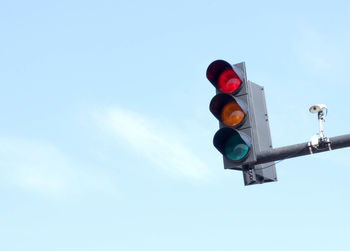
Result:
{"points": [[239, 105]]}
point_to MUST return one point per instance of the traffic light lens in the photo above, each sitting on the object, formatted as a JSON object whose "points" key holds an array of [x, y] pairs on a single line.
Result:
{"points": [[236, 148], [232, 114], [229, 81]]}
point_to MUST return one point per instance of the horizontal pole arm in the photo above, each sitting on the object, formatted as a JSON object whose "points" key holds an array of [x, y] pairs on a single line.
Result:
{"points": [[301, 149]]}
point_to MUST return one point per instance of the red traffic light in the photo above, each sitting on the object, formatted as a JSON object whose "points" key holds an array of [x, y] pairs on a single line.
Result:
{"points": [[229, 82], [224, 77]]}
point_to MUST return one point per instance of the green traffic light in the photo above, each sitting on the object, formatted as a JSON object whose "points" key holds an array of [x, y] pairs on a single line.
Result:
{"points": [[236, 148]]}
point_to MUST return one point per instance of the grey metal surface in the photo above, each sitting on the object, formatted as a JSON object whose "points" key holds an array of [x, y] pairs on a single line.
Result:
{"points": [[244, 96], [301, 149], [264, 172]]}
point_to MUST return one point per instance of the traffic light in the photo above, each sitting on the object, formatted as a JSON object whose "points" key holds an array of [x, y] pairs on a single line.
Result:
{"points": [[239, 105]]}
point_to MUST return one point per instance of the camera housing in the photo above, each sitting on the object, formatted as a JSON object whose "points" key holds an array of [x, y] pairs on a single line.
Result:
{"points": [[317, 108]]}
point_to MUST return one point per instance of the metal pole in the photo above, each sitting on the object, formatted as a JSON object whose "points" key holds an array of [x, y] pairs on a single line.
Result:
{"points": [[320, 121], [297, 150]]}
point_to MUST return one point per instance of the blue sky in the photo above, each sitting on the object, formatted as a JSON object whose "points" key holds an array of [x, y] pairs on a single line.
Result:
{"points": [[106, 135]]}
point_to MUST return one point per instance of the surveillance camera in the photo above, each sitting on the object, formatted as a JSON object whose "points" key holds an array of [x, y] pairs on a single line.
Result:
{"points": [[317, 108]]}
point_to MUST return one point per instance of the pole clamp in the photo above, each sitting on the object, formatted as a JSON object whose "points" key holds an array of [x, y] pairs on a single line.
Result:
{"points": [[329, 144], [309, 144]]}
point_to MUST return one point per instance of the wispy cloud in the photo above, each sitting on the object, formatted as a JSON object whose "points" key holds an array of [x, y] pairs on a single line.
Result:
{"points": [[41, 167], [159, 143], [313, 48], [319, 51]]}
